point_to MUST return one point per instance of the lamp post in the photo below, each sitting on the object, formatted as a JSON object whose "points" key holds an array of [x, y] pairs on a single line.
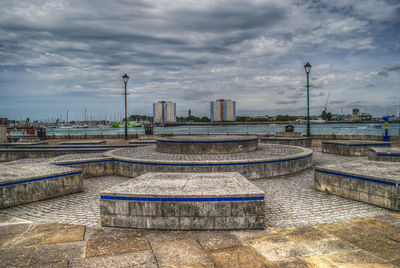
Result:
{"points": [[125, 77], [307, 68]]}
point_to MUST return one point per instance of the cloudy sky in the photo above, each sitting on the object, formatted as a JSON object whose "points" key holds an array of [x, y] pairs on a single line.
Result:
{"points": [[70, 55]]}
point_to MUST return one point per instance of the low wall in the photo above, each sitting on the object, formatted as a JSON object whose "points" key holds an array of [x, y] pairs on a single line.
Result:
{"points": [[314, 136], [7, 155], [368, 189], [302, 142], [35, 188], [207, 144], [92, 167], [350, 147], [251, 170], [384, 154]]}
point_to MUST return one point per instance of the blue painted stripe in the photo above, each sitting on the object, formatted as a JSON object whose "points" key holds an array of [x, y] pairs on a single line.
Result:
{"points": [[147, 142], [181, 199], [211, 164], [84, 162], [51, 151], [388, 155], [232, 141], [83, 143], [363, 144], [76, 147], [356, 177], [40, 179]]}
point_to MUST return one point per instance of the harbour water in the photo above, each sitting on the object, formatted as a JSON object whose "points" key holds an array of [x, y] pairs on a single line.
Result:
{"points": [[342, 128]]}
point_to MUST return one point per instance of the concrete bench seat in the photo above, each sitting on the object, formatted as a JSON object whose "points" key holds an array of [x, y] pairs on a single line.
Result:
{"points": [[351, 147], [25, 183], [384, 154], [184, 201], [376, 183], [294, 141]]}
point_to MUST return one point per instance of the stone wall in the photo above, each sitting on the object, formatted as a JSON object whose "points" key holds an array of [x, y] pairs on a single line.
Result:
{"points": [[183, 215], [251, 170], [35, 189], [92, 168]]}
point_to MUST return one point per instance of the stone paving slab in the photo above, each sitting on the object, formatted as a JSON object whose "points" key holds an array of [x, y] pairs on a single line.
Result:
{"points": [[371, 242], [176, 249]]}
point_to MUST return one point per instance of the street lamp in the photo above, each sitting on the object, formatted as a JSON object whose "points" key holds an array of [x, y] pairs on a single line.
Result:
{"points": [[307, 68], [125, 77]]}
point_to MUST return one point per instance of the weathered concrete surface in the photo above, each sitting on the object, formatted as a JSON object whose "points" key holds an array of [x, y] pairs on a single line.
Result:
{"points": [[185, 201], [372, 242], [207, 144], [351, 147], [116, 245], [178, 249], [372, 182], [384, 154], [294, 141]]}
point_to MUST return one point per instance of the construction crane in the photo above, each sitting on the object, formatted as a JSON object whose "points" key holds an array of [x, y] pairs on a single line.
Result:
{"points": [[327, 100]]}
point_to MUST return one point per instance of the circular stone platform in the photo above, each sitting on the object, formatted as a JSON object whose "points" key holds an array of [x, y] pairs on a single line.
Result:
{"points": [[207, 144], [269, 160]]}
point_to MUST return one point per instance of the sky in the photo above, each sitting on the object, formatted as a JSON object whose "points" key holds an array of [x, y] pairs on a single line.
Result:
{"points": [[70, 55]]}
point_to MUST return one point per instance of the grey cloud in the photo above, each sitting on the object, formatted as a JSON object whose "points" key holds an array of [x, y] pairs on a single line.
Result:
{"points": [[191, 53], [286, 102]]}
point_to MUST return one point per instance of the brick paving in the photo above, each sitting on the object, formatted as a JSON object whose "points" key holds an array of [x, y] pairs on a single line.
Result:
{"points": [[290, 201]]}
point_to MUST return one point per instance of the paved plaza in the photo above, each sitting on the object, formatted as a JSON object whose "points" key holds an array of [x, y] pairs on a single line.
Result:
{"points": [[289, 201], [304, 228]]}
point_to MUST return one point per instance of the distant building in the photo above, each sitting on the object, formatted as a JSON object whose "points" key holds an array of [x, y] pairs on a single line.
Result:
{"points": [[223, 110], [189, 113], [365, 117], [164, 112]]}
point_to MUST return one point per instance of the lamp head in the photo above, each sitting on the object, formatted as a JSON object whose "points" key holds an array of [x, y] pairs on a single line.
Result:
{"points": [[307, 67], [125, 77]]}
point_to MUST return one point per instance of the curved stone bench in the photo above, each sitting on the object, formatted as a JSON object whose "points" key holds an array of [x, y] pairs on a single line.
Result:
{"points": [[207, 144], [384, 154], [351, 147], [184, 201], [269, 161]]}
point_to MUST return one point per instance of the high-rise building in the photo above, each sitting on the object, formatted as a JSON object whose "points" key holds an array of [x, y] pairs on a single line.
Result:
{"points": [[164, 112], [223, 110]]}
